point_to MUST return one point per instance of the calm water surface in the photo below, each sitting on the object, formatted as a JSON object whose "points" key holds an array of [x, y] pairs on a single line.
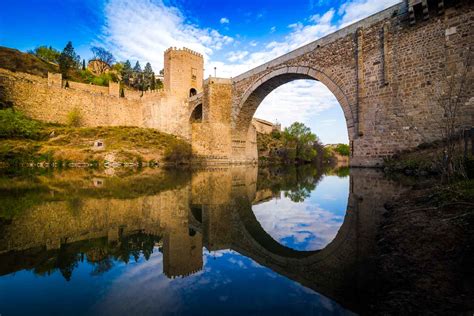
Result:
{"points": [[209, 242]]}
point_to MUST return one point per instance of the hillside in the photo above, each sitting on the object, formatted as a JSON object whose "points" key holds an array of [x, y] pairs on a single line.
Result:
{"points": [[24, 142], [14, 60]]}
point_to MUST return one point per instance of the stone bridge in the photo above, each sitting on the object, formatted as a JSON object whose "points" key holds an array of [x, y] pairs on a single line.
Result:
{"points": [[393, 73]]}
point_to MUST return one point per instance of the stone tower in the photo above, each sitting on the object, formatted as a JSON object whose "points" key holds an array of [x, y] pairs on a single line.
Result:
{"points": [[183, 72]]}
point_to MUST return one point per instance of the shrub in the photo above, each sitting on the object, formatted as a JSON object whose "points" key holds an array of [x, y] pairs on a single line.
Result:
{"points": [[15, 125], [342, 149], [178, 152], [74, 118]]}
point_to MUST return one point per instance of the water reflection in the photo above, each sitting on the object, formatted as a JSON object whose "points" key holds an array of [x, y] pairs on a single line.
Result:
{"points": [[161, 241], [307, 215]]}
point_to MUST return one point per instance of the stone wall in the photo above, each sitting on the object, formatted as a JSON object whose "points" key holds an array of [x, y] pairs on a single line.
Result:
{"points": [[51, 103], [48, 100], [264, 127]]}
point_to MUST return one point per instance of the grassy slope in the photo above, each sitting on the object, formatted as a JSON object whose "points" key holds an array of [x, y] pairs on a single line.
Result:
{"points": [[66, 144], [14, 60]]}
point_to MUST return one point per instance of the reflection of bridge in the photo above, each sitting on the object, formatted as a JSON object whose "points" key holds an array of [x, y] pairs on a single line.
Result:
{"points": [[214, 210]]}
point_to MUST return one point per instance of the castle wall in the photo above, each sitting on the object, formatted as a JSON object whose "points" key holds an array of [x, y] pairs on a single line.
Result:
{"points": [[33, 96], [47, 100]]}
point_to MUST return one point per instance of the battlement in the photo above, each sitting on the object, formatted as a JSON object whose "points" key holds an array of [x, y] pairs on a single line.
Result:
{"points": [[184, 49], [183, 72]]}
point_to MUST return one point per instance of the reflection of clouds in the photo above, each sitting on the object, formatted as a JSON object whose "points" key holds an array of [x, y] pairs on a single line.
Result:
{"points": [[302, 226]]}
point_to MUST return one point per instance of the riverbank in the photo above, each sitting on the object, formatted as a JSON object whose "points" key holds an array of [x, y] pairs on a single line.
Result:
{"points": [[26, 142], [425, 244]]}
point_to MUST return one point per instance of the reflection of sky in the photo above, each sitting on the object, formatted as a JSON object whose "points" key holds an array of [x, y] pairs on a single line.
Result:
{"points": [[229, 284], [311, 224]]}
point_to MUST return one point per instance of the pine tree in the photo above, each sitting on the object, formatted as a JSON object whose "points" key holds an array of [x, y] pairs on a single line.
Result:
{"points": [[137, 69], [148, 76], [68, 60], [127, 72], [137, 77]]}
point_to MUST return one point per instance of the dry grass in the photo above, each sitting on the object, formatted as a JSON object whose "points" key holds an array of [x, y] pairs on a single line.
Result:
{"points": [[14, 60]]}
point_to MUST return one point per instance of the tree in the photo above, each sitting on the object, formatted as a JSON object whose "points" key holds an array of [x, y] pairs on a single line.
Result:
{"points": [[46, 53], [68, 60], [103, 55], [148, 77], [137, 76], [137, 69], [342, 149], [301, 140], [83, 64], [127, 72]]}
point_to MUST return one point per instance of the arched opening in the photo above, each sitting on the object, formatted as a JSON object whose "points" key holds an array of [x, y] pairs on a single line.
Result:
{"points": [[196, 115], [192, 92], [310, 79]]}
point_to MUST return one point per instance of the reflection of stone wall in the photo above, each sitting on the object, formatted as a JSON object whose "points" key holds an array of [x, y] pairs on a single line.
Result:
{"points": [[54, 223]]}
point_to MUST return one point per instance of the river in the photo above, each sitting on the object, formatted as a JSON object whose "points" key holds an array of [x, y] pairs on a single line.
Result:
{"points": [[227, 240]]}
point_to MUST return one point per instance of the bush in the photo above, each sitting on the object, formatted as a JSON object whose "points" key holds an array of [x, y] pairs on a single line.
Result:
{"points": [[15, 125], [342, 149], [74, 118], [178, 152]]}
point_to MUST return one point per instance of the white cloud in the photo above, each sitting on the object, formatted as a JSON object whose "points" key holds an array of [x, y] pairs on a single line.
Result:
{"points": [[236, 56], [253, 43], [299, 100], [273, 29], [355, 10], [224, 21], [144, 29], [320, 225]]}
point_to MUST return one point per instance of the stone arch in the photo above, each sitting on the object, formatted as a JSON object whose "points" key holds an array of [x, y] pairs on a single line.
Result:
{"points": [[268, 82], [264, 243], [196, 114]]}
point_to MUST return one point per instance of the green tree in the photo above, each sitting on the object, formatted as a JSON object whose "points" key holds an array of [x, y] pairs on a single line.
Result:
{"points": [[137, 76], [137, 68], [148, 77], [68, 60], [46, 53], [342, 149], [301, 140], [127, 72]]}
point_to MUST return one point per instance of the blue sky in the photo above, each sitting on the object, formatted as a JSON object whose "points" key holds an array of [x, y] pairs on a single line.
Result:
{"points": [[233, 36]]}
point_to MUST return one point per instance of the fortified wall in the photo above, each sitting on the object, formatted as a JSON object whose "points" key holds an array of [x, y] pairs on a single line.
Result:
{"points": [[51, 99]]}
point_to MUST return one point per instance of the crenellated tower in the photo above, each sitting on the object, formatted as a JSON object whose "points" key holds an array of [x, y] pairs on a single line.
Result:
{"points": [[183, 69]]}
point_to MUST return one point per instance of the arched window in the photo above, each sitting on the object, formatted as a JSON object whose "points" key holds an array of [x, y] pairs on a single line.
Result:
{"points": [[196, 115], [192, 92]]}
